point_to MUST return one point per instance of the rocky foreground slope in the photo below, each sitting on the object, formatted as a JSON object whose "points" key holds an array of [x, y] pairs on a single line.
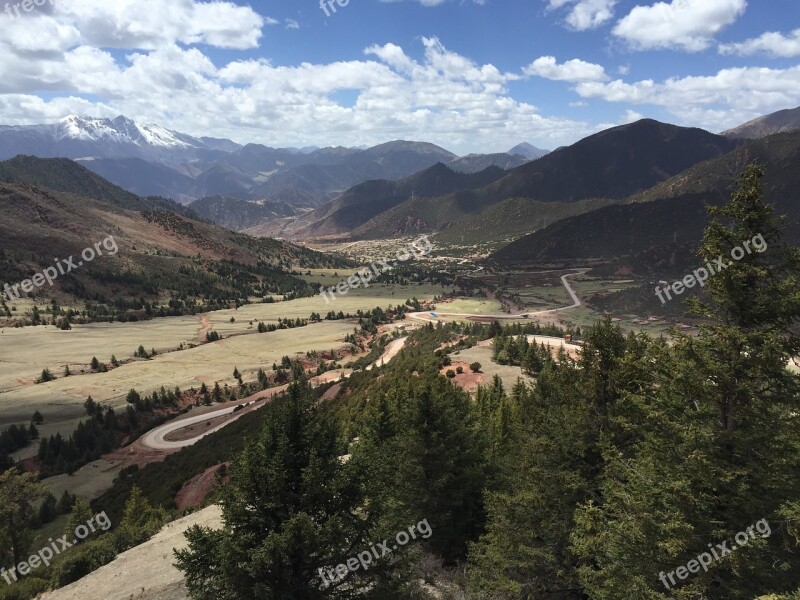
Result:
{"points": [[146, 572]]}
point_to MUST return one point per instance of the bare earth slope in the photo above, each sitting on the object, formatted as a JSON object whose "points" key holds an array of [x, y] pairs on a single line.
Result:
{"points": [[146, 572]]}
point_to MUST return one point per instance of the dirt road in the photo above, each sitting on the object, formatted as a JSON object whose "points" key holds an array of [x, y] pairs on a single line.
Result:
{"points": [[156, 439], [425, 316]]}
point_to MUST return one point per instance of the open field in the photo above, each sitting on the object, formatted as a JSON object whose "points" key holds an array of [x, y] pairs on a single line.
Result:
{"points": [[381, 295], [475, 306], [61, 400], [483, 355], [26, 351]]}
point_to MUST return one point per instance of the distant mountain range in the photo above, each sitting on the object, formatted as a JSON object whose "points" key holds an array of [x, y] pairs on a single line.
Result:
{"points": [[75, 137], [528, 151], [668, 219], [606, 167], [780, 122], [56, 208], [365, 201], [634, 190], [152, 160]]}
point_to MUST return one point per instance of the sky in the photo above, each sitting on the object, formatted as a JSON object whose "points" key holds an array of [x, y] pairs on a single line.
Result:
{"points": [[468, 75]]}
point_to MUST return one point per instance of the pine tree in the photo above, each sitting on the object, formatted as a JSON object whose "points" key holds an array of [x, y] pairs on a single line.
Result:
{"points": [[140, 521], [292, 510], [711, 448], [18, 492]]}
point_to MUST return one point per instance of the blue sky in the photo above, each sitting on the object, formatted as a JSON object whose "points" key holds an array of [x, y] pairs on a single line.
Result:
{"points": [[472, 76]]}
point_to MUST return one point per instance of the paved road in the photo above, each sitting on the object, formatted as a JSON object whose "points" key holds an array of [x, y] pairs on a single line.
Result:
{"points": [[156, 438], [425, 316]]}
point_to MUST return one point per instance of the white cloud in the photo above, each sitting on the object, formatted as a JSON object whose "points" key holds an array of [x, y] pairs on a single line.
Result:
{"points": [[726, 99], [772, 43], [444, 97], [688, 25], [631, 116], [150, 24], [573, 70], [585, 14], [429, 3]]}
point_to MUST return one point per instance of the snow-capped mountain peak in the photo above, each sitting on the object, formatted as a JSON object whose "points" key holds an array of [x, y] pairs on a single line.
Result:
{"points": [[121, 130]]}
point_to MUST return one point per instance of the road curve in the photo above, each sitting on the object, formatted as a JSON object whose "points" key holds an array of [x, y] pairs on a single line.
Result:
{"points": [[156, 438], [576, 302]]}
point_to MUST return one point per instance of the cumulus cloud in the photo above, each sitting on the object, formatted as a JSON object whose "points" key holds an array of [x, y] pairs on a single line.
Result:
{"points": [[723, 100], [149, 24], [573, 70], [429, 3], [772, 43], [585, 14], [443, 97], [688, 25]]}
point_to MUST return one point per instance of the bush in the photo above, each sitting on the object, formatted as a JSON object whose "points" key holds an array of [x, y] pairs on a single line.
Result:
{"points": [[45, 377], [451, 373], [459, 370], [83, 560], [25, 589]]}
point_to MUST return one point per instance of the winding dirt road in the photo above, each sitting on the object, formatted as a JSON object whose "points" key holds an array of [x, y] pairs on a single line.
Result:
{"points": [[156, 439], [576, 302]]}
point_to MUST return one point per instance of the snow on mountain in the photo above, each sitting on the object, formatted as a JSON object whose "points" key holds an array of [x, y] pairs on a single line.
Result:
{"points": [[122, 131], [77, 136]]}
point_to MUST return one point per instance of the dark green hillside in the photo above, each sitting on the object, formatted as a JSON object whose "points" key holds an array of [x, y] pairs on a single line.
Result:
{"points": [[611, 232], [670, 213], [363, 202], [612, 164], [164, 263], [237, 214], [462, 219], [64, 175]]}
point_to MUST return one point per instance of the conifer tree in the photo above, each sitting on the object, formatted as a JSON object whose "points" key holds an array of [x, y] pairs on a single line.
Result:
{"points": [[292, 510]]}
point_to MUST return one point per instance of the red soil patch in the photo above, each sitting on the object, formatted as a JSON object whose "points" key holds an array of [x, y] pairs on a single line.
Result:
{"points": [[197, 489], [468, 381], [332, 393]]}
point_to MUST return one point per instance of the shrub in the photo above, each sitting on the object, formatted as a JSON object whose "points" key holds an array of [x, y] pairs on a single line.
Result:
{"points": [[475, 367], [83, 560], [27, 588], [45, 377]]}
